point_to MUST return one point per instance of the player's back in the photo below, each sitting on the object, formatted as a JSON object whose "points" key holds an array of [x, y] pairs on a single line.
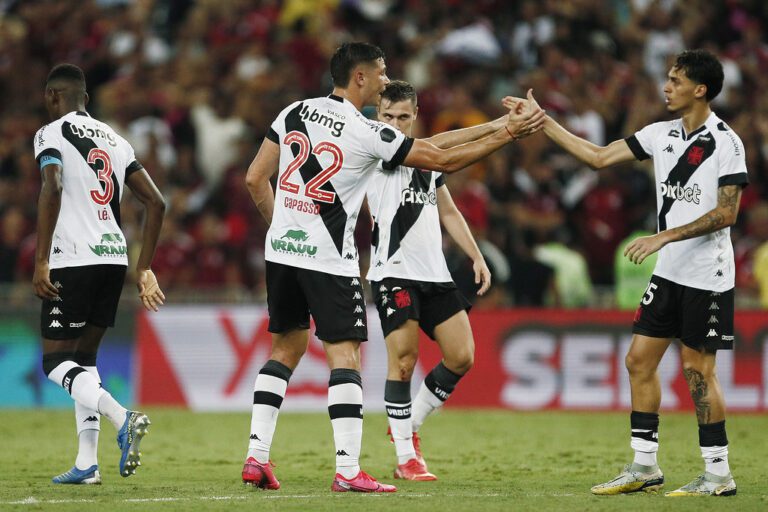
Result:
{"points": [[328, 152], [95, 163]]}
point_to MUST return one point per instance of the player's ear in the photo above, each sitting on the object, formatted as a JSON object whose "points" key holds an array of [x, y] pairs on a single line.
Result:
{"points": [[415, 112], [700, 91], [358, 76], [86, 98]]}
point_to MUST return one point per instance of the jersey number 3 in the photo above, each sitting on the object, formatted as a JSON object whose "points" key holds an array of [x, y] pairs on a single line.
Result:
{"points": [[312, 189], [102, 196]]}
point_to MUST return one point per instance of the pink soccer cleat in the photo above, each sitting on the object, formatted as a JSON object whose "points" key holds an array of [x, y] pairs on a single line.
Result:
{"points": [[259, 475], [363, 482], [414, 470]]}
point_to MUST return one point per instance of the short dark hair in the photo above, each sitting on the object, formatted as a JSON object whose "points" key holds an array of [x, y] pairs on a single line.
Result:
{"points": [[399, 90], [67, 73], [349, 55], [702, 67]]}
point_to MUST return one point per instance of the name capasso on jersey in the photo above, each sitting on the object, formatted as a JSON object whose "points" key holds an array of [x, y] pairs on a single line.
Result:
{"points": [[328, 152], [95, 162], [689, 169], [407, 241]]}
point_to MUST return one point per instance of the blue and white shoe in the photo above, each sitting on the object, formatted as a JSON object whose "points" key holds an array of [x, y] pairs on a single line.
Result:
{"points": [[79, 476], [128, 440]]}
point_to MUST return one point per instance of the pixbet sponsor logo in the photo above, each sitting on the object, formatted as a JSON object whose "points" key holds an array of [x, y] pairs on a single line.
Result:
{"points": [[291, 243], [412, 196], [680, 193]]}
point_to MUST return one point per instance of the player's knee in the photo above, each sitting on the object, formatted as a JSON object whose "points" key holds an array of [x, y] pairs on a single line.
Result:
{"points": [[460, 362], [694, 371], [406, 362], [637, 366], [289, 356]]}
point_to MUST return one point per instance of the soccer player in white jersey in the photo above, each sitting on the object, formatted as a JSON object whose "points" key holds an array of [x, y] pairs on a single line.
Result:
{"points": [[700, 171], [81, 260], [325, 151], [411, 283]]}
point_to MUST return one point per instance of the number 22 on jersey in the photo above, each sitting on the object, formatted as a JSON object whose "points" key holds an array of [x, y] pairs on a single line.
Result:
{"points": [[312, 188]]}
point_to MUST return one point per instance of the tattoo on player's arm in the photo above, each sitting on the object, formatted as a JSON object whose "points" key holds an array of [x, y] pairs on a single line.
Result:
{"points": [[707, 223], [728, 197], [699, 391]]}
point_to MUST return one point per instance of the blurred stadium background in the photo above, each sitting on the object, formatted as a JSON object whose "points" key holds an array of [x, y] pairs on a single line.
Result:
{"points": [[193, 85]]}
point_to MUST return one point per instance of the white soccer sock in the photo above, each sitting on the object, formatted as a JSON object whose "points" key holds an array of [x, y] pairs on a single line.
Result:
{"points": [[424, 404], [716, 460], [85, 389], [645, 437], [714, 447], [345, 407], [397, 401], [88, 426], [268, 393], [433, 392]]}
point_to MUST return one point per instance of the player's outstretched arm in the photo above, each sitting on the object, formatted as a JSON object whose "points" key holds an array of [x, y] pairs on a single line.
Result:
{"points": [[264, 165], [722, 216], [48, 207], [597, 157], [425, 155], [457, 227], [453, 138], [144, 189]]}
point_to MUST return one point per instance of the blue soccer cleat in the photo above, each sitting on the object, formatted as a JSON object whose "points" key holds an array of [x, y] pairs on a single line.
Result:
{"points": [[79, 476], [128, 440]]}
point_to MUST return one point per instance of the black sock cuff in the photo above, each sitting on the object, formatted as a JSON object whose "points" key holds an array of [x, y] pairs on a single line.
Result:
{"points": [[276, 369], [445, 378], [54, 359], [84, 358], [345, 376], [713, 434], [397, 391], [644, 420]]}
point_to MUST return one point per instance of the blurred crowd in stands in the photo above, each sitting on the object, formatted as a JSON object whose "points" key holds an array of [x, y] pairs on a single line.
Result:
{"points": [[194, 85]]}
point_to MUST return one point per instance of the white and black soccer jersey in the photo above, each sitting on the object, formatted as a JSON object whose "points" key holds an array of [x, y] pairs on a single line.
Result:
{"points": [[95, 162], [689, 169], [407, 242], [328, 152]]}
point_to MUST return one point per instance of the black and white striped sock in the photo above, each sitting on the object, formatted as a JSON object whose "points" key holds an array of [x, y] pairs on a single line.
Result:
{"points": [[645, 437], [345, 407], [268, 393], [434, 391], [397, 400]]}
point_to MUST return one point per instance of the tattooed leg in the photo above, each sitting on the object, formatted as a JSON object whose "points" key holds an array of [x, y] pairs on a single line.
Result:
{"points": [[700, 374]]}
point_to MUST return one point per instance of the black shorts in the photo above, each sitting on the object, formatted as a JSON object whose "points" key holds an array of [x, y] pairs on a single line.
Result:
{"points": [[337, 303], [87, 295], [398, 300], [701, 319]]}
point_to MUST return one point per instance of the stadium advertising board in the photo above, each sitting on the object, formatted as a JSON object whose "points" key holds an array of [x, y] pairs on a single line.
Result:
{"points": [[207, 357]]}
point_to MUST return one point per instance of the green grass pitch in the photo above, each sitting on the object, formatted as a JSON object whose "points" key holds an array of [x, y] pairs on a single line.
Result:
{"points": [[485, 460]]}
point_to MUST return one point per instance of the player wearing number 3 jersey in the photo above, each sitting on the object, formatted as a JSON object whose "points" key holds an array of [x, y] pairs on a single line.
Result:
{"points": [[81, 260], [325, 151]]}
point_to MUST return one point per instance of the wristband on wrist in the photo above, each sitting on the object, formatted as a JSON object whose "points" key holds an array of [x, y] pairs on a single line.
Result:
{"points": [[509, 132]]}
